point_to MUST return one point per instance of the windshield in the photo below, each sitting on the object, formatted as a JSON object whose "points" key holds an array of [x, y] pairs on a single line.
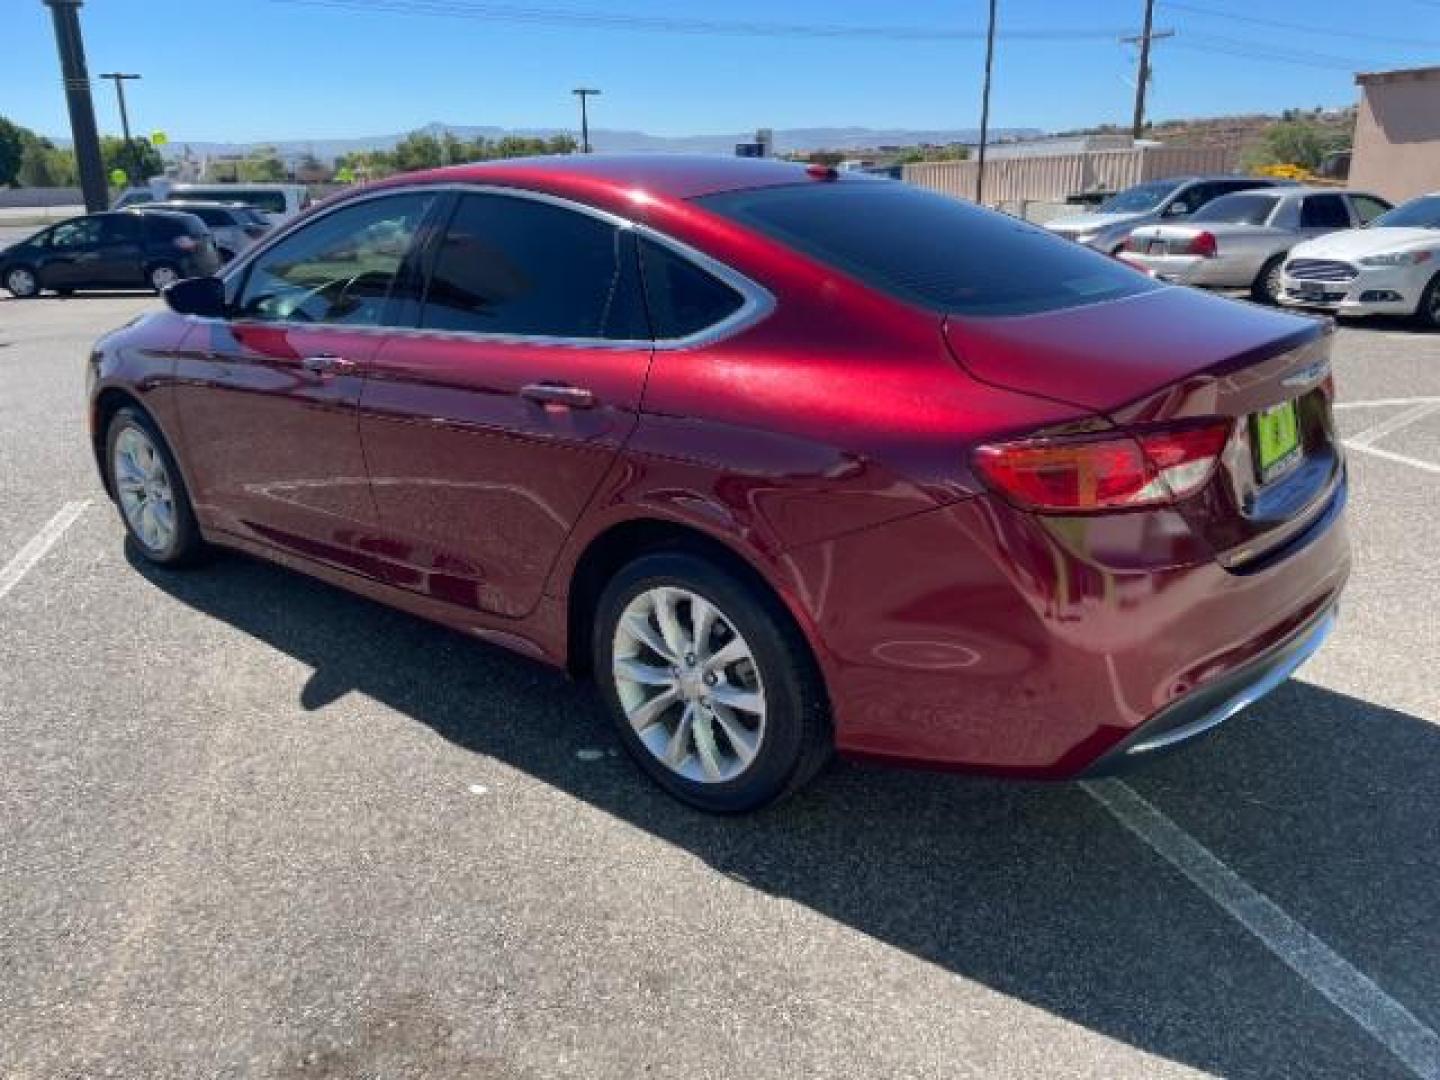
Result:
{"points": [[940, 253], [1421, 213], [1139, 198], [1246, 209]]}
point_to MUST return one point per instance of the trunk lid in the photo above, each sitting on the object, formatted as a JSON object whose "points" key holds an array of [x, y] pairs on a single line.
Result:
{"points": [[1178, 354]]}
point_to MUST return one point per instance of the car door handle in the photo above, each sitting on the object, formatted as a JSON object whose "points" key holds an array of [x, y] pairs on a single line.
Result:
{"points": [[326, 364], [548, 393]]}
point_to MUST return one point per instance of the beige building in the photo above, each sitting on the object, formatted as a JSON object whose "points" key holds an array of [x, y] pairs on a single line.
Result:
{"points": [[1397, 134]]}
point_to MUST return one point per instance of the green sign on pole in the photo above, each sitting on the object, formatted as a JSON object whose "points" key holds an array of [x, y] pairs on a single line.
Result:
{"points": [[119, 177], [158, 139]]}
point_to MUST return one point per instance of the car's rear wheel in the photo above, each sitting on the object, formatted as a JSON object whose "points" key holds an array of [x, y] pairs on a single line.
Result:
{"points": [[21, 282], [1428, 311], [1267, 285], [163, 275], [710, 685], [150, 491]]}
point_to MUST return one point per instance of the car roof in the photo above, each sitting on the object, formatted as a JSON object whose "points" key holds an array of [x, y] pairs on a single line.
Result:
{"points": [[161, 204], [665, 176]]}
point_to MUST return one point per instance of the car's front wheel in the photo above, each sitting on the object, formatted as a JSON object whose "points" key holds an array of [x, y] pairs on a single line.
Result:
{"points": [[21, 282], [1267, 284], [1428, 311], [709, 683], [149, 490]]}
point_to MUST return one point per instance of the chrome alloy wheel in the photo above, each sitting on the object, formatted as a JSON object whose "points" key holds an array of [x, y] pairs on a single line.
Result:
{"points": [[22, 282], [143, 485], [689, 685]]}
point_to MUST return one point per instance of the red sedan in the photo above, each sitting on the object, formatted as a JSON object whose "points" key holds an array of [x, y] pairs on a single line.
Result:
{"points": [[787, 461]]}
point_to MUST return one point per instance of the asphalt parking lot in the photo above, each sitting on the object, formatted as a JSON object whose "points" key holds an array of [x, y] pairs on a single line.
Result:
{"points": [[254, 826]]}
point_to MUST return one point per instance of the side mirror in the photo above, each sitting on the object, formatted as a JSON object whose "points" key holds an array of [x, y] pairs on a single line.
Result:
{"points": [[202, 296]]}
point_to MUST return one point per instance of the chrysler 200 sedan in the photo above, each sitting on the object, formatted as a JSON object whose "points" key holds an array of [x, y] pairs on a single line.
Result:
{"points": [[786, 461]]}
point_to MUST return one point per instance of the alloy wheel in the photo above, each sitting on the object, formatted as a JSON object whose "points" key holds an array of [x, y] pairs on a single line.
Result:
{"points": [[689, 684], [21, 282], [143, 486]]}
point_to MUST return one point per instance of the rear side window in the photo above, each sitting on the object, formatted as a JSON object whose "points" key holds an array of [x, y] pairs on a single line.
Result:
{"points": [[1368, 208], [167, 226], [931, 250], [213, 218], [528, 268], [338, 269], [1238, 209], [1324, 212], [683, 298]]}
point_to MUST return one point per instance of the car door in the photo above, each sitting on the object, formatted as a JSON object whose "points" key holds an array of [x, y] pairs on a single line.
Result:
{"points": [[71, 254], [488, 429], [120, 253], [267, 397]]}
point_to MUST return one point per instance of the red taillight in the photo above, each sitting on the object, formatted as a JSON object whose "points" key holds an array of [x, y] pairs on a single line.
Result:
{"points": [[1202, 243], [1150, 467], [186, 243]]}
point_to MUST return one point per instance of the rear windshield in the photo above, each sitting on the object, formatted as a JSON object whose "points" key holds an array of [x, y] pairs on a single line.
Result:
{"points": [[1244, 209], [1139, 198], [931, 250], [1421, 213], [272, 202]]}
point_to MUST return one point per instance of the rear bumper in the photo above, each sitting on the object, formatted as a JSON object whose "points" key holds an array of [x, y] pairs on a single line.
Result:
{"points": [[982, 638], [1217, 272], [1207, 708]]}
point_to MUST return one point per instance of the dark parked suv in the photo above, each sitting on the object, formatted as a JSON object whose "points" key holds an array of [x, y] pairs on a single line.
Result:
{"points": [[128, 249]]}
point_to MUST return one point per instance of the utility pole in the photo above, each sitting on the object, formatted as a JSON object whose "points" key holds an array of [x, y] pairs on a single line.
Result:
{"points": [[1142, 79], [583, 92], [985, 107], [66, 15], [136, 165]]}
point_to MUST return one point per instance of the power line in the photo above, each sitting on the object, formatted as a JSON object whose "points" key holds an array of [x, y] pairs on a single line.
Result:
{"points": [[605, 20], [1207, 43], [1301, 28]]}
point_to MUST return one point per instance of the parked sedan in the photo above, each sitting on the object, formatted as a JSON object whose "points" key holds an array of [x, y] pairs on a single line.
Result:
{"points": [[786, 460], [1391, 267], [1174, 199], [234, 226], [1240, 241], [126, 249]]}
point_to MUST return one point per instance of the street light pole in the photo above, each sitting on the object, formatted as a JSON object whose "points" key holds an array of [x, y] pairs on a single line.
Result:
{"points": [[584, 92], [66, 16], [118, 78]]}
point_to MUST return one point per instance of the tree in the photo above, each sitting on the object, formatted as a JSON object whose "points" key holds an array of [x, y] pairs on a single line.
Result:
{"points": [[265, 169], [140, 160], [13, 139], [1295, 142], [42, 164]]}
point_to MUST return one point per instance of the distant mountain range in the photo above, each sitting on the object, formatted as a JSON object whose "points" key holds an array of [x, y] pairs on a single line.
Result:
{"points": [[605, 139]]}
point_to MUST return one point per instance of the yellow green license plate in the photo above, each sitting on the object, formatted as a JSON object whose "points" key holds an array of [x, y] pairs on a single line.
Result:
{"points": [[1277, 440]]}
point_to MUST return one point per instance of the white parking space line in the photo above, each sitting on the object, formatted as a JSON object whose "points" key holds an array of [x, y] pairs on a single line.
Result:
{"points": [[26, 558], [1373, 434], [1403, 459], [1389, 1022]]}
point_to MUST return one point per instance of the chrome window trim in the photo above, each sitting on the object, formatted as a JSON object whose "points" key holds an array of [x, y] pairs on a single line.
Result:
{"points": [[757, 302]]}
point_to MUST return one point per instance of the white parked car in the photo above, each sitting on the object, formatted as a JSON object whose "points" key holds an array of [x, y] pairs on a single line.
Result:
{"points": [[1391, 267], [1240, 241]]}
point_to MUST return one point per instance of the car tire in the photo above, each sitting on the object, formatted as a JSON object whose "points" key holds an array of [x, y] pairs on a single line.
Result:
{"points": [[1427, 312], [162, 275], [1267, 284], [150, 492], [22, 283], [727, 737]]}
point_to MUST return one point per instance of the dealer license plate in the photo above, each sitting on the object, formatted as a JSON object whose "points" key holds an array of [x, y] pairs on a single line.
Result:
{"points": [[1276, 432]]}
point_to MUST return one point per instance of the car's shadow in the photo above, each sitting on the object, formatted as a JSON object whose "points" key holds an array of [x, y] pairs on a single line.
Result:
{"points": [[1326, 803]]}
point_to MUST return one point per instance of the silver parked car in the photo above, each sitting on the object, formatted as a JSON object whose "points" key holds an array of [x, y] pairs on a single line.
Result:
{"points": [[1155, 200], [234, 225], [1240, 241]]}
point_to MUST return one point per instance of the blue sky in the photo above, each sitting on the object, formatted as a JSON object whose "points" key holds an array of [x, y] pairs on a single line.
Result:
{"points": [[275, 69]]}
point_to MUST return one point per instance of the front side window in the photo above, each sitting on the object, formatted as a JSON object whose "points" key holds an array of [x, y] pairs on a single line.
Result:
{"points": [[82, 232], [523, 267], [1324, 212], [931, 250], [338, 269]]}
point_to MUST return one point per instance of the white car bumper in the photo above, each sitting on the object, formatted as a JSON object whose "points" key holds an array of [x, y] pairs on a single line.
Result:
{"points": [[1375, 290]]}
